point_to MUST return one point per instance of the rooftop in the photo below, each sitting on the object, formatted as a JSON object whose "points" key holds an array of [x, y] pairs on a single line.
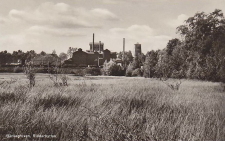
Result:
{"points": [[96, 43]]}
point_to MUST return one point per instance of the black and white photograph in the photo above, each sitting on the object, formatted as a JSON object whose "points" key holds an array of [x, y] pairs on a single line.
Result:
{"points": [[112, 70]]}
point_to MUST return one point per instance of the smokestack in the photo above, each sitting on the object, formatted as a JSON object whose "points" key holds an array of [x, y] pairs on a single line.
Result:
{"points": [[93, 42], [100, 46], [123, 48]]}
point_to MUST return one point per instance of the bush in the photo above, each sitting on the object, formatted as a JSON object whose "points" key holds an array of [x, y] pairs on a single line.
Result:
{"points": [[92, 71], [17, 69], [112, 69], [129, 71], [78, 72], [137, 72]]}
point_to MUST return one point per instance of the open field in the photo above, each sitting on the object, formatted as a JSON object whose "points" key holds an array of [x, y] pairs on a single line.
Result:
{"points": [[112, 109]]}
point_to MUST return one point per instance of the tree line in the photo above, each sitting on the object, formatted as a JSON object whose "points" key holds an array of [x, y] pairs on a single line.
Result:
{"points": [[198, 54], [7, 57]]}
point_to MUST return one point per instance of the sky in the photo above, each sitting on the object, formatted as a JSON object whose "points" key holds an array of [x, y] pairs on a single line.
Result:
{"points": [[47, 25]]}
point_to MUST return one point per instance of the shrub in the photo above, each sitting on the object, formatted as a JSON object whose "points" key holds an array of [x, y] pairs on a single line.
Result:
{"points": [[112, 69], [17, 69], [78, 72], [41, 70], [137, 72], [92, 71], [129, 71]]}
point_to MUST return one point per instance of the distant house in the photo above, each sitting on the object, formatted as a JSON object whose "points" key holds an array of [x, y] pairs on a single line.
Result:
{"points": [[46, 60]]}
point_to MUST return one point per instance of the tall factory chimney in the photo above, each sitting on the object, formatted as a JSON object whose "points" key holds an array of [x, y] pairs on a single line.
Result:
{"points": [[123, 48], [93, 42], [100, 46]]}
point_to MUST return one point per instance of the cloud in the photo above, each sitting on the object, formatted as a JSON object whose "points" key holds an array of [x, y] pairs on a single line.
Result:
{"points": [[48, 18], [41, 30], [156, 42], [143, 34], [2, 21], [19, 42], [104, 13], [178, 21], [51, 19], [62, 15], [133, 32]]}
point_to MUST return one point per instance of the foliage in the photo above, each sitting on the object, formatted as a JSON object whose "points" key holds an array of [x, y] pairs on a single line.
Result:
{"points": [[128, 57], [63, 56], [112, 69], [54, 52], [198, 55], [70, 52], [204, 41], [17, 69], [78, 72], [150, 63], [129, 70], [7, 58], [135, 65], [92, 71], [171, 45], [43, 53], [137, 72]]}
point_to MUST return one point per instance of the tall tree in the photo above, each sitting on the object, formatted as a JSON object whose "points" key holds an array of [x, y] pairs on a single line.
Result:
{"points": [[30, 55], [54, 52], [5, 57], [204, 41], [42, 53], [171, 45], [128, 57], [63, 56], [150, 63], [70, 51]]}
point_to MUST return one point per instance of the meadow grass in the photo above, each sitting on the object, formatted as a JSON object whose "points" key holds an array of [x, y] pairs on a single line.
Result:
{"points": [[112, 109]]}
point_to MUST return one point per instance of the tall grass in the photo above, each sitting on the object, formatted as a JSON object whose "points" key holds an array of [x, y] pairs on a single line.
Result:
{"points": [[114, 109]]}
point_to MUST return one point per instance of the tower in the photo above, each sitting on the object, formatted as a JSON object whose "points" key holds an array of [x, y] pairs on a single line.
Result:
{"points": [[137, 49]]}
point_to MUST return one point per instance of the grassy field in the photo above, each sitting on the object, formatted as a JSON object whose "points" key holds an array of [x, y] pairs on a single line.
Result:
{"points": [[111, 109]]}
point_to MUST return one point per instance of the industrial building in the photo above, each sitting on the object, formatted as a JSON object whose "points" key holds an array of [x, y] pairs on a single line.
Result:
{"points": [[96, 56], [89, 58]]}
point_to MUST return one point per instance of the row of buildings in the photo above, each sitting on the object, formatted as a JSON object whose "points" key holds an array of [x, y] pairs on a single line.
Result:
{"points": [[94, 57]]}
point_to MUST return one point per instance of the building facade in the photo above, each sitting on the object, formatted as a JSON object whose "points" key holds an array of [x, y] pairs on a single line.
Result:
{"points": [[89, 58]]}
